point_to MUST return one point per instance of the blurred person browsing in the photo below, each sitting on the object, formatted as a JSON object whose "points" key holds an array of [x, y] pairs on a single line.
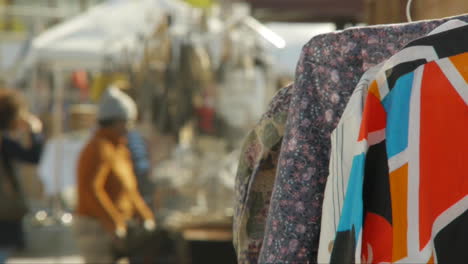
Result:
{"points": [[15, 120], [108, 197]]}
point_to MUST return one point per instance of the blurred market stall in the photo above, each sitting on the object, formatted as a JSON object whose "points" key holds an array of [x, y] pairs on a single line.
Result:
{"points": [[201, 77]]}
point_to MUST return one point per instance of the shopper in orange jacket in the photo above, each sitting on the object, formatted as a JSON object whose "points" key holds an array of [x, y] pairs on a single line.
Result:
{"points": [[108, 194]]}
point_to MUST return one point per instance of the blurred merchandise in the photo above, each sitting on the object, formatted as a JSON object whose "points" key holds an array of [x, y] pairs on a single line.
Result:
{"points": [[80, 80], [54, 161], [200, 3], [57, 168], [201, 77], [196, 186], [103, 80]]}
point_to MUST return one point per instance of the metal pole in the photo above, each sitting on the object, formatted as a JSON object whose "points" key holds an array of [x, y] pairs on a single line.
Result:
{"points": [[57, 134], [8, 20]]}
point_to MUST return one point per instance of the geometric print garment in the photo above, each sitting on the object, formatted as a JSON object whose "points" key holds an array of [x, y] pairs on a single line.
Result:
{"points": [[343, 146], [409, 190], [414, 54], [328, 70]]}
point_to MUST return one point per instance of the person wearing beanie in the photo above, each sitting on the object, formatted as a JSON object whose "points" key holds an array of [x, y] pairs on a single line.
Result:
{"points": [[108, 196]]}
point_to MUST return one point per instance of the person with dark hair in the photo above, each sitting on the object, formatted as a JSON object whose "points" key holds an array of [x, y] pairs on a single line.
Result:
{"points": [[15, 118], [108, 197]]}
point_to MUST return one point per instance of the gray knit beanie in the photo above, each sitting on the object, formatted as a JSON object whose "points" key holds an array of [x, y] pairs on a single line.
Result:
{"points": [[116, 105]]}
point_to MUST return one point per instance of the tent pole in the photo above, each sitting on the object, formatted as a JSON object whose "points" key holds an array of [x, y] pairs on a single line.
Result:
{"points": [[33, 89], [57, 133]]}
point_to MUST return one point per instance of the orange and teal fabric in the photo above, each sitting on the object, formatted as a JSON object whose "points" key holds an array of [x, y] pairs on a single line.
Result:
{"points": [[343, 140], [407, 197]]}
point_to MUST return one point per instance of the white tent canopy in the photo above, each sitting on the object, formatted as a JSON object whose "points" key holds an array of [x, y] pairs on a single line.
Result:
{"points": [[105, 32], [110, 32]]}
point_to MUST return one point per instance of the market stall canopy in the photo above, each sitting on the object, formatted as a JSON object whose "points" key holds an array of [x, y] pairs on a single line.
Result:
{"points": [[104, 33], [308, 10]]}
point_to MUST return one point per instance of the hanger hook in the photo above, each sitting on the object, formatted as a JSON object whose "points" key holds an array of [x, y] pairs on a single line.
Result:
{"points": [[408, 10]]}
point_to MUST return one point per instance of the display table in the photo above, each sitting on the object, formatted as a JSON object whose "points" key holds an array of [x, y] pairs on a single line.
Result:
{"points": [[205, 234], [205, 245]]}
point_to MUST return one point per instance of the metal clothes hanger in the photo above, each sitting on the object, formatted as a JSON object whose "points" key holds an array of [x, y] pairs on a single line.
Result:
{"points": [[408, 10]]}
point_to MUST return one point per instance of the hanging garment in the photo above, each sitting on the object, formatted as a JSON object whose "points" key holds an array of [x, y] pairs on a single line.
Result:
{"points": [[328, 71], [256, 176], [344, 137], [343, 147], [400, 206]]}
